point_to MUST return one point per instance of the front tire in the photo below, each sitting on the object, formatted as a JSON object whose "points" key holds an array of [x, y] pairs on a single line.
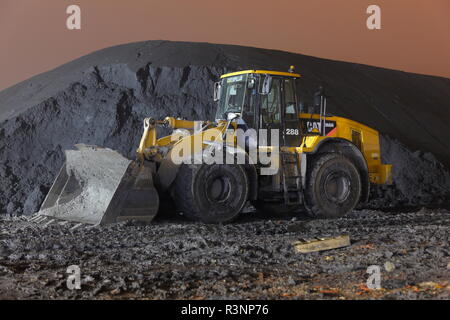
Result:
{"points": [[211, 193], [333, 186]]}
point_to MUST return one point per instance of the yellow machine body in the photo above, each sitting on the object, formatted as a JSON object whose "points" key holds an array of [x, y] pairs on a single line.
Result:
{"points": [[363, 137]]}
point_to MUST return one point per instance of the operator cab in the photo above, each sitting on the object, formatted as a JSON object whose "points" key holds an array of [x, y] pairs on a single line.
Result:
{"points": [[263, 100]]}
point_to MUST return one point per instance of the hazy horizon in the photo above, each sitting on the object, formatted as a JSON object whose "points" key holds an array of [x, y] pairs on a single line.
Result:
{"points": [[413, 38]]}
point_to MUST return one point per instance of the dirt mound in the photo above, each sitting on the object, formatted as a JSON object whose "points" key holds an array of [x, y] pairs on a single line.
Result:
{"points": [[103, 97], [419, 179]]}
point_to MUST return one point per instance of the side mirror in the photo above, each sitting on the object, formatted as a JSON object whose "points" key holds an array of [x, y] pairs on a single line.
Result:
{"points": [[266, 85], [217, 91], [231, 116], [251, 83], [317, 100], [318, 97]]}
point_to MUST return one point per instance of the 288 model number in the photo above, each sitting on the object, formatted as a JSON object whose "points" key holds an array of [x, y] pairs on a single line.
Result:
{"points": [[292, 132], [248, 309]]}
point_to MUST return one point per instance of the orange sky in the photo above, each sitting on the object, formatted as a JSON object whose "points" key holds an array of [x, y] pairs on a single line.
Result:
{"points": [[415, 34]]}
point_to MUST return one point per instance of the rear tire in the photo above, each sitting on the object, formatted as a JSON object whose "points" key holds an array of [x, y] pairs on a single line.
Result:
{"points": [[333, 186], [211, 193]]}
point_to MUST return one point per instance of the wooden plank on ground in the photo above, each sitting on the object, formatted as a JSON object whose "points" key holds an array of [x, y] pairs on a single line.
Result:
{"points": [[321, 244]]}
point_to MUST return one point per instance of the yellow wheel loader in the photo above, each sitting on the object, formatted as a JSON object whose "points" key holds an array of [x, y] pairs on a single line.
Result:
{"points": [[264, 147]]}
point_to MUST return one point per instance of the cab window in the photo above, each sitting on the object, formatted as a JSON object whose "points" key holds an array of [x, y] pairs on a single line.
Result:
{"points": [[289, 99], [270, 103]]}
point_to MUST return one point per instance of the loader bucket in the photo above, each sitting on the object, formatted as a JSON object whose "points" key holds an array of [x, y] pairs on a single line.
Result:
{"points": [[100, 186]]}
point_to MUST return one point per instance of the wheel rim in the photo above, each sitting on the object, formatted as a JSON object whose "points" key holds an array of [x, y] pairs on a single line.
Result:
{"points": [[337, 187], [218, 188]]}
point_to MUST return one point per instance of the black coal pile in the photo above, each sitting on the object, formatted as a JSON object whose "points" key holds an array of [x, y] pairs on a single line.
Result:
{"points": [[103, 97], [420, 179], [250, 259]]}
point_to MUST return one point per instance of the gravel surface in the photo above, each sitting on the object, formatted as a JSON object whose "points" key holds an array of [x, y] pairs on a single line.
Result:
{"points": [[252, 258]]}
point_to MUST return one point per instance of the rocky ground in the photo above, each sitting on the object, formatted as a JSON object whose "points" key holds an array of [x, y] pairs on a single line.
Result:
{"points": [[252, 258]]}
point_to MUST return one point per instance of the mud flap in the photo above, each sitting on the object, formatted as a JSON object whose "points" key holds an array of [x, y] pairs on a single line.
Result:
{"points": [[100, 186]]}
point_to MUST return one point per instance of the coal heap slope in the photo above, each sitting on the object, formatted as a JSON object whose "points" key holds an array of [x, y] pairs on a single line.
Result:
{"points": [[103, 97]]}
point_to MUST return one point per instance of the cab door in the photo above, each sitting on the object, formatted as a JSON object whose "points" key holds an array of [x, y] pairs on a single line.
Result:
{"points": [[270, 115], [291, 135], [279, 111]]}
